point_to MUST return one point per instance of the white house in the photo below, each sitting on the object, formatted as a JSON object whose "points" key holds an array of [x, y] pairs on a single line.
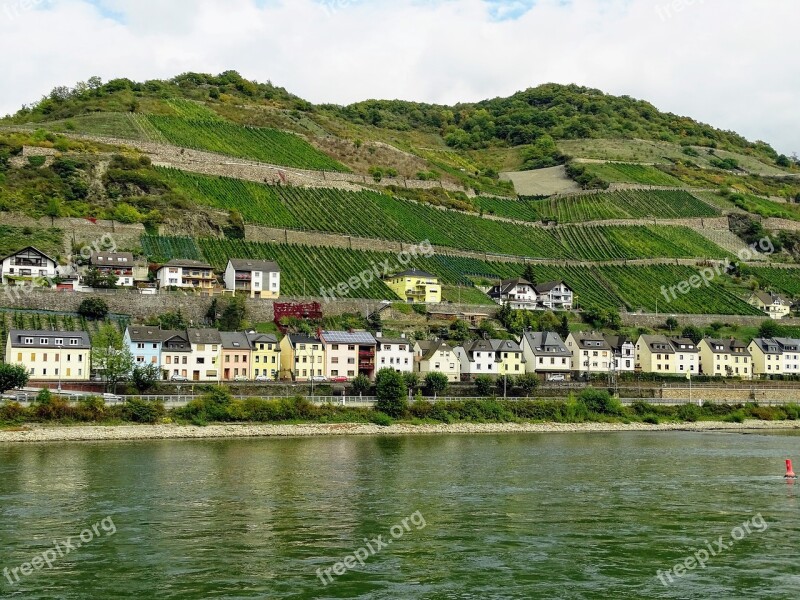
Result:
{"points": [[624, 352], [256, 278], [119, 263], [193, 274], [519, 293], [394, 353], [477, 358], [546, 354], [29, 265], [591, 353], [204, 359], [687, 356], [554, 295], [790, 349]]}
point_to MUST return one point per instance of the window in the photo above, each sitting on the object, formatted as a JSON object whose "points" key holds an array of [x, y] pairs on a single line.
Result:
{"points": [[28, 341], [335, 360], [73, 342], [334, 346], [43, 341]]}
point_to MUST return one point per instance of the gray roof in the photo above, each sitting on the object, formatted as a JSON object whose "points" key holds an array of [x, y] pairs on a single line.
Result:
{"points": [[689, 345], [178, 337], [769, 298], [591, 341], [505, 286], [505, 346], [301, 338], [394, 341], [658, 344], [143, 333], [617, 341], [547, 286], [767, 345], [788, 344], [234, 340], [362, 338], [204, 336], [17, 339], [260, 338], [29, 248], [244, 264], [547, 343], [429, 348], [727, 346], [112, 259], [184, 262], [477, 346]]}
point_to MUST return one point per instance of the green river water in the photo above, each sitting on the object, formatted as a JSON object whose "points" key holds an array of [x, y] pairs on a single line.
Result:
{"points": [[489, 516]]}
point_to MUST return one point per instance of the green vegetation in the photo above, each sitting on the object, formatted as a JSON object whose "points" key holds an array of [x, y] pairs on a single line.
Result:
{"points": [[766, 208], [628, 204], [631, 173], [781, 280], [49, 241], [12, 377]]}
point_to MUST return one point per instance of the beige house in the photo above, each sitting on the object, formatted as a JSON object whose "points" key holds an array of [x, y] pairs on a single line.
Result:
{"points": [[591, 353], [725, 358], [302, 358], [546, 354], [436, 356], [655, 354], [509, 356], [188, 274], [50, 355], [767, 357], [348, 354], [775, 305]]}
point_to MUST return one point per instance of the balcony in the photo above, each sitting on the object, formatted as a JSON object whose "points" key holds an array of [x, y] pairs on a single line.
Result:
{"points": [[244, 276]]}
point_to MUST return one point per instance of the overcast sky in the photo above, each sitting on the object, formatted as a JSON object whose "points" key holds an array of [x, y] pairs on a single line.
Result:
{"points": [[732, 63]]}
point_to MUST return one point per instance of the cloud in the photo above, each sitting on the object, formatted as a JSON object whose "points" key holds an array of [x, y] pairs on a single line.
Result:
{"points": [[731, 63]]}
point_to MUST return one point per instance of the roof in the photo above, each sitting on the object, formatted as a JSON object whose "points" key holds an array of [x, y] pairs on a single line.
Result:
{"points": [[790, 344], [301, 338], [29, 248], [727, 346], [112, 259], [17, 336], [617, 341], [244, 264], [413, 273], [505, 286], [261, 338], [767, 345], [505, 346], [678, 342], [143, 333], [547, 286], [179, 337], [394, 341], [429, 348], [769, 298], [204, 336], [593, 341], [362, 338], [547, 343], [657, 343], [182, 262], [477, 346], [234, 340]]}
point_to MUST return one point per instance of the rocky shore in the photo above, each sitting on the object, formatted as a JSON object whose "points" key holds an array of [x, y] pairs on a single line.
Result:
{"points": [[40, 433]]}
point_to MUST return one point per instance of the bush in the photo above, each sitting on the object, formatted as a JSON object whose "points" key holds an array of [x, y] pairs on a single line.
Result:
{"points": [[137, 410], [12, 412], [483, 385], [792, 412], [381, 419], [651, 418], [91, 409], [735, 417], [600, 402], [689, 412], [391, 393], [93, 309]]}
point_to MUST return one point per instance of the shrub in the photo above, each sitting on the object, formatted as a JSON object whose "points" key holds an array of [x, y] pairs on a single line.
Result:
{"points": [[483, 385], [792, 412], [421, 409], [137, 410], [381, 419], [91, 408], [12, 412], [600, 402], [736, 416], [651, 418], [93, 309], [391, 393], [689, 412]]}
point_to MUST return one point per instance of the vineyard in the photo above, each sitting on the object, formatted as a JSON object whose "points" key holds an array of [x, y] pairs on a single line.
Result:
{"points": [[781, 280], [163, 249], [625, 204], [256, 143], [631, 173], [306, 271], [376, 215]]}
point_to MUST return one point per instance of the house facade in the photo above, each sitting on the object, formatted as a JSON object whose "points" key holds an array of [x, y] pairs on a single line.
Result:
{"points": [[476, 358], [655, 354], [302, 357], [624, 352], [28, 265], [518, 293], [509, 356], [546, 354], [554, 295], [187, 274], [725, 358], [265, 356], [790, 349], [50, 355], [204, 358], [774, 305], [767, 357], [119, 264], [394, 353], [145, 344], [236, 356], [254, 278], [416, 286], [436, 356], [687, 356], [590, 353], [349, 354]]}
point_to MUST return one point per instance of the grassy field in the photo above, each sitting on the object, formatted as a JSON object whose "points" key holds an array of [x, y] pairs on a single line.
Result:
{"points": [[632, 173], [766, 208]]}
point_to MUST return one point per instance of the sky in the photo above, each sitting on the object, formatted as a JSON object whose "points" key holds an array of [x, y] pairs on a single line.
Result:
{"points": [[732, 63]]}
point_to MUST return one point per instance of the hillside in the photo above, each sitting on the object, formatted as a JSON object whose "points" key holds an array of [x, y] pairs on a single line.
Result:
{"points": [[231, 163]]}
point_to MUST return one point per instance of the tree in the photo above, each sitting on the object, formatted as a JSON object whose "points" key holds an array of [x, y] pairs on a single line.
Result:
{"points": [[548, 322], [374, 322], [111, 356], [528, 382], [436, 383], [93, 309], [412, 380], [459, 330], [563, 328], [233, 315], [145, 378], [96, 279], [769, 329], [690, 332], [672, 324], [529, 274], [391, 391], [483, 385], [12, 377], [487, 330], [361, 385]]}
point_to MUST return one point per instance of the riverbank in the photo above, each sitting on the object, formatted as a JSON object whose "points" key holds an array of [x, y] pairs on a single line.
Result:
{"points": [[83, 433]]}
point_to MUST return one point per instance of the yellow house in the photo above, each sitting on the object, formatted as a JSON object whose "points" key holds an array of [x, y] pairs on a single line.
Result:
{"points": [[725, 358], [509, 357], [654, 354], [775, 305], [302, 357], [436, 356], [416, 286], [51, 355], [767, 357], [265, 360]]}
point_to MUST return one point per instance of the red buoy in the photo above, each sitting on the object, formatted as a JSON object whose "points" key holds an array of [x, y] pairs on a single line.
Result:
{"points": [[789, 471]]}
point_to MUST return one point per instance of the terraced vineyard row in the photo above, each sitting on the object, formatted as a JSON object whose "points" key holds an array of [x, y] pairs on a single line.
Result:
{"points": [[625, 204], [162, 249], [375, 215], [781, 280], [257, 143], [632, 173], [309, 270]]}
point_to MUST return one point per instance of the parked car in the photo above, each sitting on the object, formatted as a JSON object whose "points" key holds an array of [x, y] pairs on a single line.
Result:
{"points": [[177, 377], [262, 378], [339, 379], [111, 398], [318, 379], [556, 377], [241, 378]]}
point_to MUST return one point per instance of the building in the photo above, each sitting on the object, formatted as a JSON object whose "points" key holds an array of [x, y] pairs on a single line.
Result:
{"points": [[236, 356], [546, 354], [791, 355], [394, 353], [175, 353], [119, 264], [255, 278], [590, 353], [774, 305], [265, 357], [349, 354], [50, 355], [476, 358], [436, 356], [191, 274], [767, 357], [302, 357], [554, 295], [27, 265], [725, 358], [624, 352], [416, 286], [204, 360], [519, 293], [687, 356], [509, 356], [145, 344], [655, 354]]}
